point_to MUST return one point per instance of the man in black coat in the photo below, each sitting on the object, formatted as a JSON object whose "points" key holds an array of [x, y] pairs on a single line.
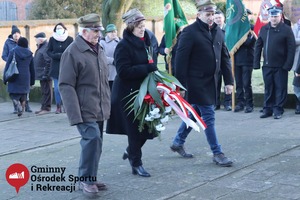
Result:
{"points": [[42, 72], [278, 42], [219, 19], [201, 54], [243, 61]]}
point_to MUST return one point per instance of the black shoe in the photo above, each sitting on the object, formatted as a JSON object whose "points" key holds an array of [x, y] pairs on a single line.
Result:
{"points": [[227, 108], [180, 150], [238, 108], [265, 115], [140, 171], [125, 155], [277, 116], [248, 109], [217, 107], [222, 160], [297, 111]]}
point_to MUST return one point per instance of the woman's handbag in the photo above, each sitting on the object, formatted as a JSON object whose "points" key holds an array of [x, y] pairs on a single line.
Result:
{"points": [[12, 72]]}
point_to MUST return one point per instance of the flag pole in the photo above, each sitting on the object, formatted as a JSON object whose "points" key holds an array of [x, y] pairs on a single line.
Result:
{"points": [[233, 90], [170, 66]]}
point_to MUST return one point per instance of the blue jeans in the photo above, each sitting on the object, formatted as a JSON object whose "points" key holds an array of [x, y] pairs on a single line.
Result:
{"points": [[91, 149], [208, 115], [56, 92]]}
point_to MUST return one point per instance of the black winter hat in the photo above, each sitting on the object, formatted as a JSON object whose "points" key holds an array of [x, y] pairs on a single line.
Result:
{"points": [[23, 42], [15, 29]]}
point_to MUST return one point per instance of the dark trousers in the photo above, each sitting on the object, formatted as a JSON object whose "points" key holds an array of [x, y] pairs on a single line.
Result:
{"points": [[227, 97], [276, 82], [110, 84], [18, 97], [46, 89], [244, 93], [135, 143]]}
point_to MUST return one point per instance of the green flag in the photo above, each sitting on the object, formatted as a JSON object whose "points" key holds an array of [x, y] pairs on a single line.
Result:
{"points": [[237, 25], [174, 18]]}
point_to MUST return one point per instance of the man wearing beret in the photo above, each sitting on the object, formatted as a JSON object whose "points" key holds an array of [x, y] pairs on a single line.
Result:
{"points": [[277, 41], [83, 84], [42, 68], [201, 54]]}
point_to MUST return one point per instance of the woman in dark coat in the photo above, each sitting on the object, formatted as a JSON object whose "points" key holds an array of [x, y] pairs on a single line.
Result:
{"points": [[56, 46], [19, 87], [133, 64]]}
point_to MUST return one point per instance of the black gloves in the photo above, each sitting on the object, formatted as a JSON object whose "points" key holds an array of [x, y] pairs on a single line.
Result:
{"points": [[152, 67]]}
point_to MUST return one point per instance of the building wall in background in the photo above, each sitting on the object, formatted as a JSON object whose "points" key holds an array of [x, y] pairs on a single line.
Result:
{"points": [[13, 10]]}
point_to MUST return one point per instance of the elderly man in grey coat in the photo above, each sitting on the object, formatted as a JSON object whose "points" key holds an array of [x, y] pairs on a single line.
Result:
{"points": [[85, 93]]}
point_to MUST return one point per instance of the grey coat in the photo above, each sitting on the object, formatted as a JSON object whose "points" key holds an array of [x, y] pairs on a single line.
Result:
{"points": [[83, 83], [296, 32], [109, 47]]}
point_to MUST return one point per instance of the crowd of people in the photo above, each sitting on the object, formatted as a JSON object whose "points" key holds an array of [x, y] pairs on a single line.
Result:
{"points": [[95, 75]]}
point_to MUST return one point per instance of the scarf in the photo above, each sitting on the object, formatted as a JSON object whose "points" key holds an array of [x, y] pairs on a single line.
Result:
{"points": [[93, 47], [61, 38]]}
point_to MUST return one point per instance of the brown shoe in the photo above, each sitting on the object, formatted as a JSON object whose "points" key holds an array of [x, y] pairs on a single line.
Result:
{"points": [[42, 112], [58, 111], [89, 189], [101, 186]]}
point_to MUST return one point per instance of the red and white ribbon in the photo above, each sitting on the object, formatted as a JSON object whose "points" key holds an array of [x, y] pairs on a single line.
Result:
{"points": [[172, 97]]}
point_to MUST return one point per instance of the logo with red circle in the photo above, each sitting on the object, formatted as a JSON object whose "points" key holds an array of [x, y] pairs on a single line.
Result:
{"points": [[17, 175]]}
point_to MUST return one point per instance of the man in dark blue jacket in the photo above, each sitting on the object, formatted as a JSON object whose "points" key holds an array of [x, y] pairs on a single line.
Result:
{"points": [[277, 41]]}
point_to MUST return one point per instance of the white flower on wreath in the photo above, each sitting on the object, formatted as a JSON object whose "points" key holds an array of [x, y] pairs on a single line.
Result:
{"points": [[168, 109], [160, 127], [149, 118], [165, 119], [154, 111]]}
